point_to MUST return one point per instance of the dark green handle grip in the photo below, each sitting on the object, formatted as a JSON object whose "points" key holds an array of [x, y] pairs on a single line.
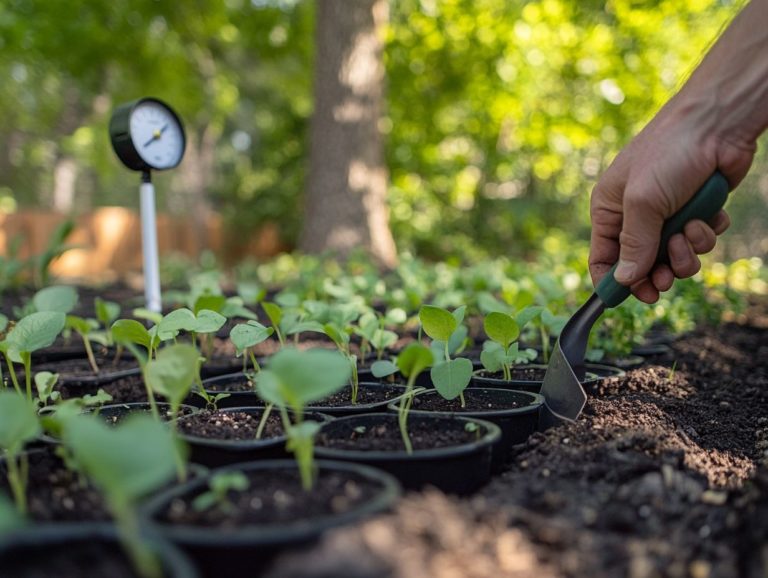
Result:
{"points": [[704, 205]]}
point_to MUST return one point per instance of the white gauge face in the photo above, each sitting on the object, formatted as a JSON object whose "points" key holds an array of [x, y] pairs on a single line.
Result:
{"points": [[157, 135]]}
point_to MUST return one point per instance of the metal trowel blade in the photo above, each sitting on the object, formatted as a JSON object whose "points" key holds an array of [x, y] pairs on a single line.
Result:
{"points": [[564, 397]]}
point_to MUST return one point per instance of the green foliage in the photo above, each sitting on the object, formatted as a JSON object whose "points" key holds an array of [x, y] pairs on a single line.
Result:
{"points": [[10, 518], [502, 328], [125, 463], [438, 323], [31, 333], [219, 487], [18, 425], [293, 379], [172, 373], [62, 298], [45, 381], [414, 359], [452, 377]]}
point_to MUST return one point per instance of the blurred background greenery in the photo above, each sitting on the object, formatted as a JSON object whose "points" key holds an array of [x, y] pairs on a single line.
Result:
{"points": [[500, 114]]}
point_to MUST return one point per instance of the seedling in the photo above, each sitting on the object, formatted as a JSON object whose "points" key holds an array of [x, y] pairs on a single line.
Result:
{"points": [[45, 381], [450, 376], [341, 339], [411, 362], [294, 379], [501, 352], [18, 425], [172, 374], [219, 487], [10, 518], [84, 327], [125, 463], [131, 334], [244, 337], [371, 328], [107, 313], [33, 332]]}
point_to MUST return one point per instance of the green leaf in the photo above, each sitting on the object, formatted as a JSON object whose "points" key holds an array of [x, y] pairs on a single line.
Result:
{"points": [[458, 314], [209, 302], [81, 325], [36, 331], [177, 320], [3, 323], [274, 313], [153, 316], [301, 326], [18, 422], [126, 462], [10, 519], [527, 315], [45, 381], [245, 335], [173, 372], [438, 323], [234, 308], [131, 331], [487, 303], [395, 316], [451, 377], [383, 368], [339, 337], [251, 292], [414, 359], [501, 328], [383, 338], [295, 378], [492, 357], [209, 321], [61, 298], [106, 311]]}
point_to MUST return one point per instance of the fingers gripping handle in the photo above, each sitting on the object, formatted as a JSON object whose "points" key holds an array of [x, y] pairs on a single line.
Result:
{"points": [[704, 205]]}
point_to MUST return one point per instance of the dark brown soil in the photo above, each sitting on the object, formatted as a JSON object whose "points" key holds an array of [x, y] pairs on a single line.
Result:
{"points": [[55, 494], [386, 436], [164, 411], [519, 373], [124, 390], [474, 401], [665, 474], [230, 425], [238, 385], [72, 369], [365, 396], [81, 560], [276, 497]]}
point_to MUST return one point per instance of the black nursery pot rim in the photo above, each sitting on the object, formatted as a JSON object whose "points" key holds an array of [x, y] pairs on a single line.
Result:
{"points": [[243, 445], [269, 534], [491, 436], [476, 374], [608, 370], [363, 406], [38, 536], [536, 401]]}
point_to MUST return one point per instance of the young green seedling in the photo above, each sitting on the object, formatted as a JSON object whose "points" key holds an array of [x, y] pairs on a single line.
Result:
{"points": [[371, 328], [45, 381], [125, 463], [341, 339], [171, 374], [275, 315], [294, 379], [107, 313], [501, 352], [414, 359], [33, 332], [83, 327], [219, 487], [131, 334], [450, 376], [244, 336], [18, 425]]}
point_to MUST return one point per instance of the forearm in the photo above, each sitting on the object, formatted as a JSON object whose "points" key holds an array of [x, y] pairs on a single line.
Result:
{"points": [[729, 89]]}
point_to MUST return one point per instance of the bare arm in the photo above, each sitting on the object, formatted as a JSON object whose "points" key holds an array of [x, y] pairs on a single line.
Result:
{"points": [[712, 123]]}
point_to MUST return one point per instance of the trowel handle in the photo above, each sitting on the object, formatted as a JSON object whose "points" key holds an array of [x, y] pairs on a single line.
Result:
{"points": [[704, 205]]}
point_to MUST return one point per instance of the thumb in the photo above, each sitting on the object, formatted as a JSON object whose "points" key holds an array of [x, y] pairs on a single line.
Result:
{"points": [[644, 212]]}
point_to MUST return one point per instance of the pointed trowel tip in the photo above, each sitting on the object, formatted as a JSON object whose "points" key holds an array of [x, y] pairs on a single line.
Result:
{"points": [[564, 397]]}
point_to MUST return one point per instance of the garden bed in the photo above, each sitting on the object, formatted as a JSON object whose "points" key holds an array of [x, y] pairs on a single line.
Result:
{"points": [[665, 474]]}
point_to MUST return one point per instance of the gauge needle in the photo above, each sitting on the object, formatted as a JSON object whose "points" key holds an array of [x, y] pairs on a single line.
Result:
{"points": [[156, 135]]}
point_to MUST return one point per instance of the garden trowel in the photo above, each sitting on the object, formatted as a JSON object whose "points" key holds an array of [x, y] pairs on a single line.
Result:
{"points": [[564, 397]]}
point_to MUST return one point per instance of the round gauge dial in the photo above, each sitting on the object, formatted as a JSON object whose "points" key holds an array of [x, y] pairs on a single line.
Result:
{"points": [[147, 134]]}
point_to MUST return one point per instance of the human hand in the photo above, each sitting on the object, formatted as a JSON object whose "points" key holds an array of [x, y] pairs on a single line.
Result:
{"points": [[649, 181]]}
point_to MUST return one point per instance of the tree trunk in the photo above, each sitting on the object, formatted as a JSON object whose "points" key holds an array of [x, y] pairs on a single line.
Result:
{"points": [[345, 203]]}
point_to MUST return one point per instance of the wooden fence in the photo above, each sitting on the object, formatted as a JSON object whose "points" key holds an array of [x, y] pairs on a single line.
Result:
{"points": [[108, 241]]}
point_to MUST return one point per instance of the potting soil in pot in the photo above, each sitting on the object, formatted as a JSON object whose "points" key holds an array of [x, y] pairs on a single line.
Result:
{"points": [[230, 425]]}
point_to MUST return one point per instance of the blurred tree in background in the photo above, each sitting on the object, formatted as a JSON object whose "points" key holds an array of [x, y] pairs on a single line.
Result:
{"points": [[499, 114]]}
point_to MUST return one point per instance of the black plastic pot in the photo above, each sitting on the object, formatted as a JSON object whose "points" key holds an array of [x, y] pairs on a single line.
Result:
{"points": [[602, 370], [21, 552], [234, 398], [628, 362], [246, 551], [120, 410], [366, 375], [529, 385], [457, 470], [361, 408], [516, 423], [214, 453]]}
